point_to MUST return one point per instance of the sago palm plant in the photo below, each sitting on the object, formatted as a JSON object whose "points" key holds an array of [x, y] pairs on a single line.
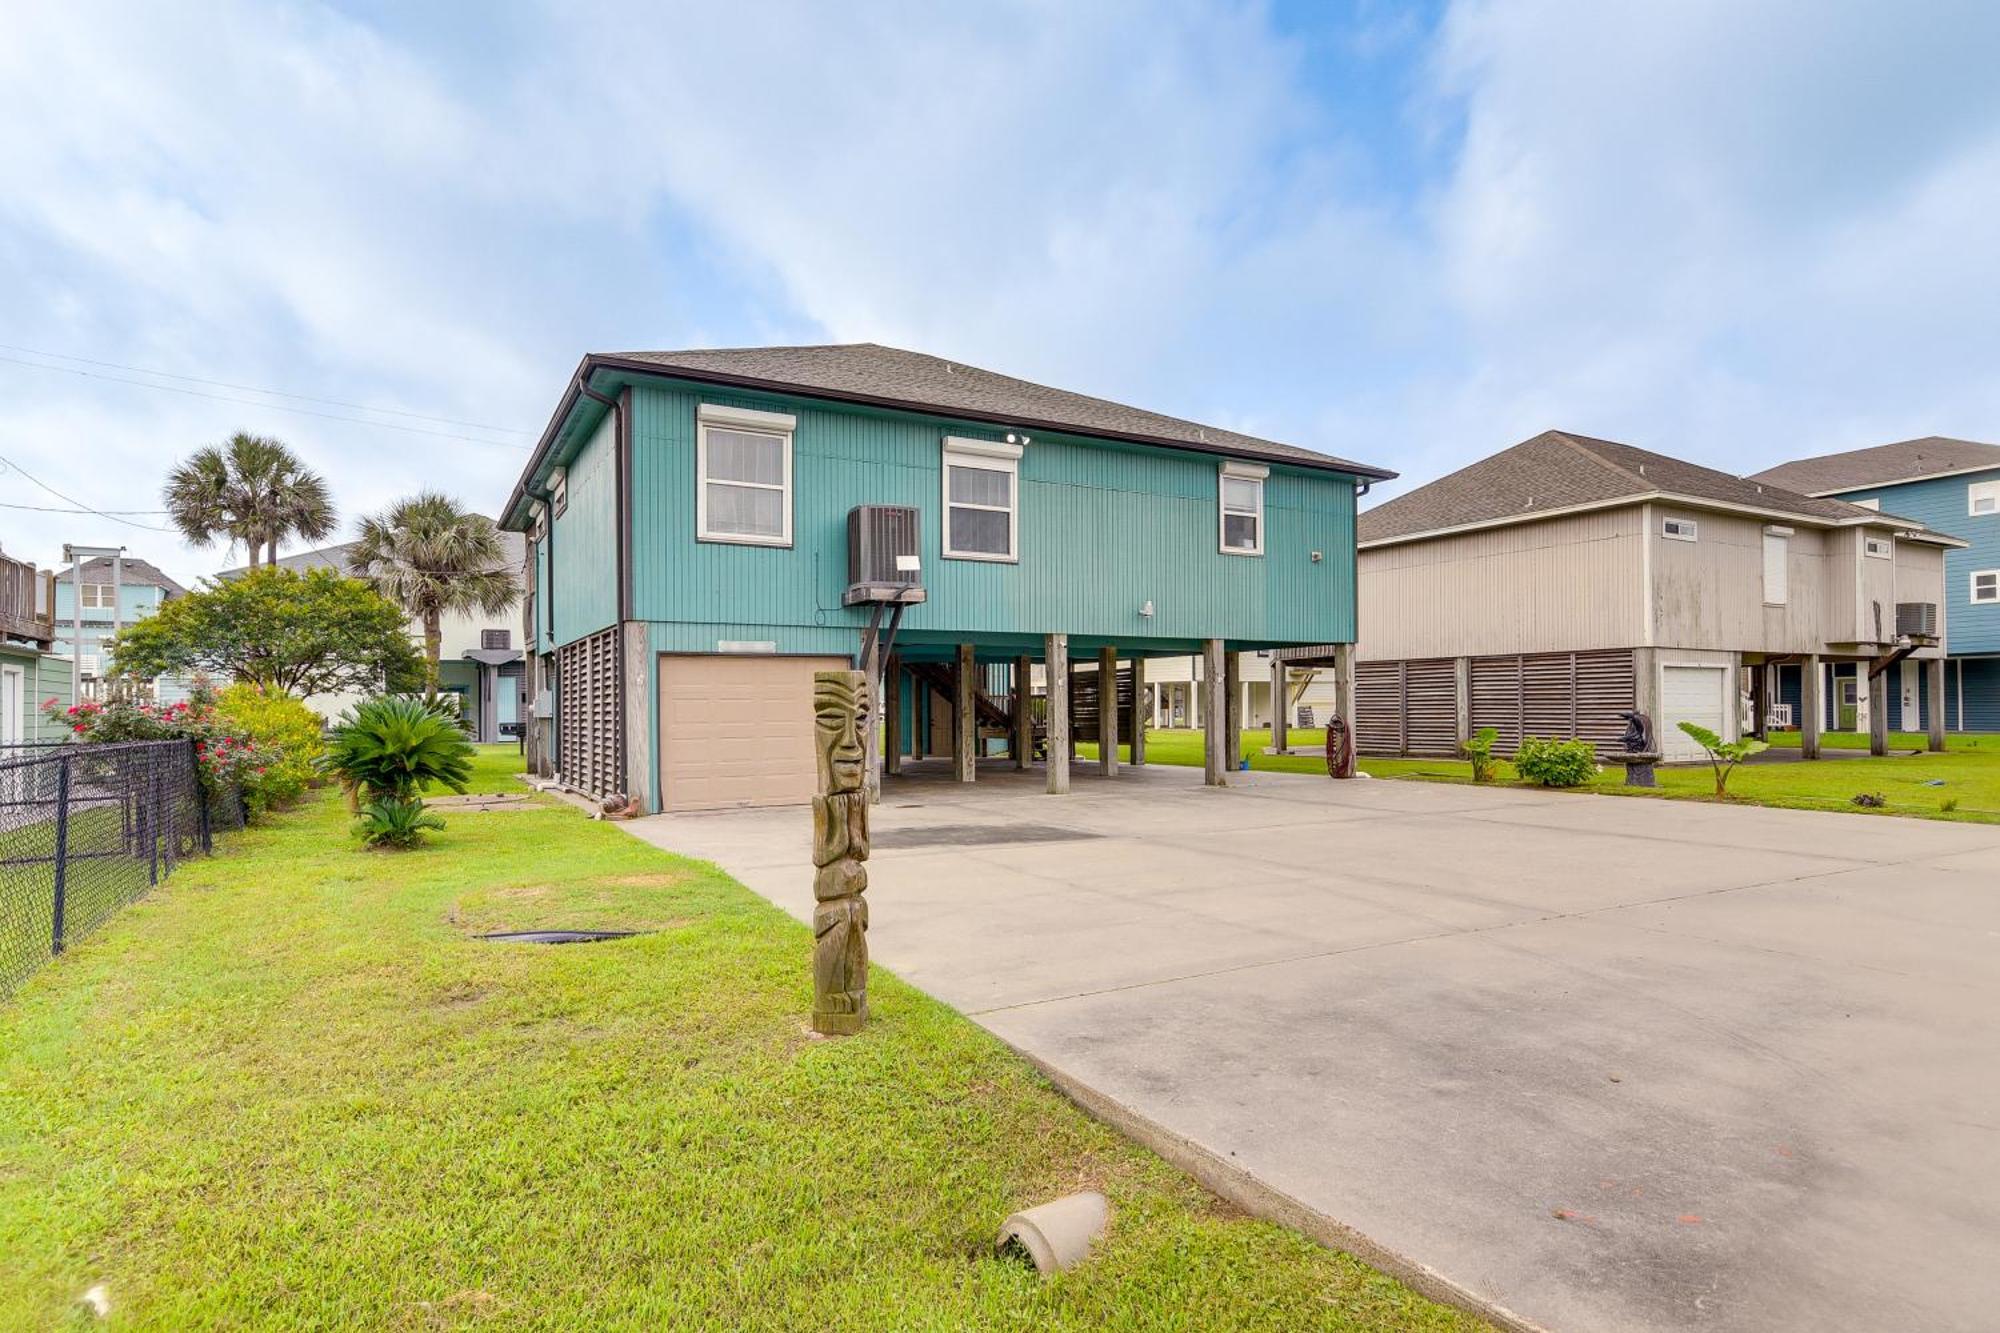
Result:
{"points": [[392, 747]]}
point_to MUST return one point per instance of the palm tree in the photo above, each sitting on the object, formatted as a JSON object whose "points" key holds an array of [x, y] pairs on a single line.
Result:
{"points": [[252, 490], [434, 559]]}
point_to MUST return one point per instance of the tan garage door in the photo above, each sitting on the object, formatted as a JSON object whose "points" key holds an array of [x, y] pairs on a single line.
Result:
{"points": [[737, 730]]}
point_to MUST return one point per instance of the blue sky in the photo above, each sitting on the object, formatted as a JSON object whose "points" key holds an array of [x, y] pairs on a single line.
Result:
{"points": [[1406, 234]]}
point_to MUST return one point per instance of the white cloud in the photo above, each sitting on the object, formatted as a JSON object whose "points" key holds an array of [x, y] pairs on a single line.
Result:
{"points": [[1732, 232]]}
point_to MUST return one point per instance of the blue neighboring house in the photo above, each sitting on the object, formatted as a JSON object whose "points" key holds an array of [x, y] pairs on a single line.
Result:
{"points": [[1952, 486], [140, 590]]}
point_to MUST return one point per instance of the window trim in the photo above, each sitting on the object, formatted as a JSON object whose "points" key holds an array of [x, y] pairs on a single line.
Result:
{"points": [[749, 421], [1976, 491], [1690, 530], [1972, 587], [96, 597], [1236, 470], [1868, 544], [988, 456]]}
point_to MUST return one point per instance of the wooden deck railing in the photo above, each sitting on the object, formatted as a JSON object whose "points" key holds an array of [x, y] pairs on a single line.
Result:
{"points": [[18, 614]]}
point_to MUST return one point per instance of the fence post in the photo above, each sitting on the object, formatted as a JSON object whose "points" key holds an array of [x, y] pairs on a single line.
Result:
{"points": [[200, 801], [150, 803], [62, 848]]}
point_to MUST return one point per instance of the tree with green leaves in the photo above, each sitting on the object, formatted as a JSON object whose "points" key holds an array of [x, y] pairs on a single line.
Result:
{"points": [[312, 633], [252, 489], [434, 559], [1723, 756]]}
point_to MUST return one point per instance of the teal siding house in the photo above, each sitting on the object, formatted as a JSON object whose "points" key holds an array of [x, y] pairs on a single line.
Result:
{"points": [[689, 562], [1951, 486]]}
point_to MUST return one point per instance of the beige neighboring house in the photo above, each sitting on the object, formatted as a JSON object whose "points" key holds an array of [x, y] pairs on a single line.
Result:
{"points": [[1544, 589], [480, 658]]}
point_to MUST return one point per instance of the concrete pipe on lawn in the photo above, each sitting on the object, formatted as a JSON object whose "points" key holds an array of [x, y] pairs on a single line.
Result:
{"points": [[1057, 1235]]}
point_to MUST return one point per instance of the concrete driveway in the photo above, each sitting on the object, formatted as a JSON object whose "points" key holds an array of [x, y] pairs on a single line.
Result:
{"points": [[1601, 1063]]}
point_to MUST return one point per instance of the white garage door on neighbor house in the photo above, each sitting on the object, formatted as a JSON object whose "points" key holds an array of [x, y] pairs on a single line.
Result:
{"points": [[1690, 694]]}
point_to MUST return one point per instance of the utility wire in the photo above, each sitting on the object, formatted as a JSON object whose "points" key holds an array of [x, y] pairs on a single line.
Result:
{"points": [[81, 506], [269, 407], [252, 388], [60, 509]]}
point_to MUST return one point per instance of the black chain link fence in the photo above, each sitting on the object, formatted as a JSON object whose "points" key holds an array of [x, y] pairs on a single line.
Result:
{"points": [[87, 828]]}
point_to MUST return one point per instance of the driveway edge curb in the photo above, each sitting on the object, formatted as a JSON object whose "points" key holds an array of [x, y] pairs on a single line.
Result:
{"points": [[1239, 1187]]}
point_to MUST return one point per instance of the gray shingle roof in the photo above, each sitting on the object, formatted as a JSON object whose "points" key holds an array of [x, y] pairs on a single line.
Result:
{"points": [[133, 571], [1558, 470], [890, 376], [1926, 457]]}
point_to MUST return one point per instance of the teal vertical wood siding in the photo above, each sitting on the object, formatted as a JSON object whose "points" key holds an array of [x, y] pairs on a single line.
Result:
{"points": [[585, 583], [44, 678], [1104, 528]]}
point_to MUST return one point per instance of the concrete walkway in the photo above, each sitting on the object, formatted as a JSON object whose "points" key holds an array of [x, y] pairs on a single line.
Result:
{"points": [[1605, 1063]]}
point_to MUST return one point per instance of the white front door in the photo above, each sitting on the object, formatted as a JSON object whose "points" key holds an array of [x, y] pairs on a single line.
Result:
{"points": [[1912, 718], [13, 722]]}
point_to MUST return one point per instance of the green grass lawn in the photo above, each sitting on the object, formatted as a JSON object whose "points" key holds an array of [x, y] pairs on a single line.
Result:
{"points": [[1969, 770], [289, 1089]]}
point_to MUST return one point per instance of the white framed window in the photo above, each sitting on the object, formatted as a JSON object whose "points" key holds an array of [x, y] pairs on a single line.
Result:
{"points": [[1777, 549], [1680, 529], [743, 475], [1880, 548], [1240, 507], [1848, 692], [982, 500], [1986, 585], [1983, 497], [559, 492], [97, 597]]}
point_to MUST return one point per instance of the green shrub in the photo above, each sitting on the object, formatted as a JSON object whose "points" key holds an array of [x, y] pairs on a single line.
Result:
{"points": [[395, 822], [228, 762], [1723, 756], [1554, 763], [1480, 751], [394, 746], [287, 735], [1948, 804]]}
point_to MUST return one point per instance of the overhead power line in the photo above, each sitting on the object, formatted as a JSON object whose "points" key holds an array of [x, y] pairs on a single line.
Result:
{"points": [[81, 507], [276, 393], [270, 407], [62, 509]]}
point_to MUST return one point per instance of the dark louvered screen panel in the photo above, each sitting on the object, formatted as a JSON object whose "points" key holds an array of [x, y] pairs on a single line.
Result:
{"points": [[1083, 703], [1548, 695], [1496, 699], [1378, 707], [1554, 696], [1430, 707], [1606, 685], [590, 749]]}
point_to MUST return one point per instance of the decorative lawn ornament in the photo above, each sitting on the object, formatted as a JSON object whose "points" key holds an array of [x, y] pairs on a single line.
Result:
{"points": [[1339, 748], [1641, 751], [840, 846]]}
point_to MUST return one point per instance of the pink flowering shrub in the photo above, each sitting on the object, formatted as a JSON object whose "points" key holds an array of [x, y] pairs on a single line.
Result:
{"points": [[226, 757]]}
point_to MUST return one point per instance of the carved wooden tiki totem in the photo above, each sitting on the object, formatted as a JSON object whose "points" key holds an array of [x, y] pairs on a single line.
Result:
{"points": [[840, 845]]}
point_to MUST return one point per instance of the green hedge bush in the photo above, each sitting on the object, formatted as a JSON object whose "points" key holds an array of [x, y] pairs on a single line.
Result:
{"points": [[1554, 763]]}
